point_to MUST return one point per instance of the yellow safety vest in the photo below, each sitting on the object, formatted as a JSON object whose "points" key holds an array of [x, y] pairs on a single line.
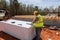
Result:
{"points": [[40, 24]]}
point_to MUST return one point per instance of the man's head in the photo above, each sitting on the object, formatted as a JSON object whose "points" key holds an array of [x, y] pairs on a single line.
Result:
{"points": [[36, 13]]}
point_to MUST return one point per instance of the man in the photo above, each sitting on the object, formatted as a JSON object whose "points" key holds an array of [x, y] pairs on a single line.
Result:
{"points": [[37, 23]]}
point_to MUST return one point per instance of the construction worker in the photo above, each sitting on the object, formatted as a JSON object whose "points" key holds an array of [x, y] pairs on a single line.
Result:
{"points": [[37, 23]]}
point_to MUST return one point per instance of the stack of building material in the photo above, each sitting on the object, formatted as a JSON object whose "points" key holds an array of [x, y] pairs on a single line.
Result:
{"points": [[19, 29], [58, 18], [32, 16]]}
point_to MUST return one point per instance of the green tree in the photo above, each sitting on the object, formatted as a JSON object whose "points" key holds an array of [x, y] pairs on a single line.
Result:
{"points": [[14, 7], [3, 4], [59, 11], [46, 10]]}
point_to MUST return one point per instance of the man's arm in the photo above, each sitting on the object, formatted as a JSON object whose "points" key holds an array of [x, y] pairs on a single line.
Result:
{"points": [[35, 19]]}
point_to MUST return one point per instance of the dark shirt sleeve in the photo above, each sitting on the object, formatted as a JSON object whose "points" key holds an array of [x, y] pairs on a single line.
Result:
{"points": [[35, 19]]}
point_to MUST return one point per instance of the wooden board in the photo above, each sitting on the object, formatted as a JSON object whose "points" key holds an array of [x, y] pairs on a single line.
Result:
{"points": [[5, 36]]}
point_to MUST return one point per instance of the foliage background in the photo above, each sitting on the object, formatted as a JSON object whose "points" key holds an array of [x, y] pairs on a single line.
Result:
{"points": [[16, 8]]}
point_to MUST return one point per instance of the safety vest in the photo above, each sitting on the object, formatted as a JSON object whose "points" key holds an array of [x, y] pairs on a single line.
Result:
{"points": [[40, 24]]}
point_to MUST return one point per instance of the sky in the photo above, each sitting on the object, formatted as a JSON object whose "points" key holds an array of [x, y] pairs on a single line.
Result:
{"points": [[41, 3]]}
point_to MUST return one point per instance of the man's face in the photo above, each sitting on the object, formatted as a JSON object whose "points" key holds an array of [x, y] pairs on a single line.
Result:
{"points": [[35, 13]]}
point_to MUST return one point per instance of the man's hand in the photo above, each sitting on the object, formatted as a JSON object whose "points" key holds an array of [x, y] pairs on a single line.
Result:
{"points": [[31, 23]]}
